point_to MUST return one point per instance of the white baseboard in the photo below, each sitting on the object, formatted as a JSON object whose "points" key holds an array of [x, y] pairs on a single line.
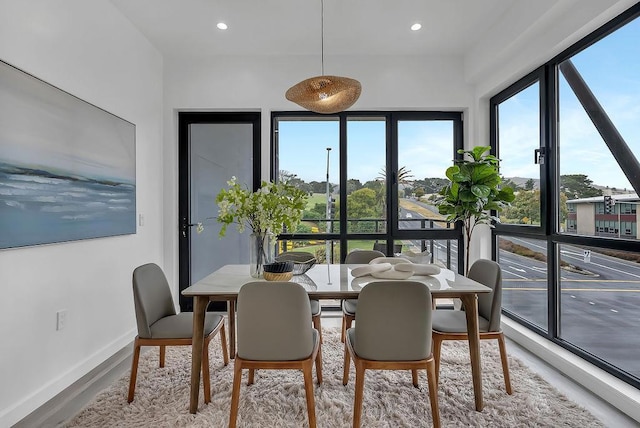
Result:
{"points": [[41, 397], [609, 388]]}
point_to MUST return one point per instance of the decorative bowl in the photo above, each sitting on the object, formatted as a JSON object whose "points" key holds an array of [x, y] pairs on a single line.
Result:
{"points": [[302, 261], [278, 267], [282, 276]]}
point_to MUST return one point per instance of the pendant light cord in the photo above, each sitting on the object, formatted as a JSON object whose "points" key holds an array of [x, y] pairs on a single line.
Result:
{"points": [[322, 35]]}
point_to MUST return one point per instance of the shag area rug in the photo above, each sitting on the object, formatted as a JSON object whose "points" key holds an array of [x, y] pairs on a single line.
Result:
{"points": [[277, 399]]}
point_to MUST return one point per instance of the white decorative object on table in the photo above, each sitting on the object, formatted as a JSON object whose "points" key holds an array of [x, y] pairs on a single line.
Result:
{"points": [[418, 269], [369, 269], [391, 260], [423, 257]]}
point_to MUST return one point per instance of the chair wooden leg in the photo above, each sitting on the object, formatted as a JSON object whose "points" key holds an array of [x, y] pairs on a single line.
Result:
{"points": [[223, 342], [345, 375], [357, 404], [162, 354], [414, 377], [317, 325], [235, 393], [134, 371], [251, 377], [347, 321], [505, 363], [437, 345], [319, 366], [433, 392], [308, 389], [206, 378]]}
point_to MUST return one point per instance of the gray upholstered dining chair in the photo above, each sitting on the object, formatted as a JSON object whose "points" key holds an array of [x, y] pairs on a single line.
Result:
{"points": [[316, 308], [393, 332], [275, 332], [452, 324], [160, 325], [349, 306]]}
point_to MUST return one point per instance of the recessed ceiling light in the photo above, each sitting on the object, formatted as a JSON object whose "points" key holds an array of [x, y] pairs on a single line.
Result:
{"points": [[416, 27], [222, 26]]}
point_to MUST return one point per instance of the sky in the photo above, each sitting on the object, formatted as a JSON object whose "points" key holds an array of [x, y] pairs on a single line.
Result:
{"points": [[610, 67], [425, 148]]}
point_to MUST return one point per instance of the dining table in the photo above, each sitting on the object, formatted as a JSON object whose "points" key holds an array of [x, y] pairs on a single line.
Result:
{"points": [[325, 281]]}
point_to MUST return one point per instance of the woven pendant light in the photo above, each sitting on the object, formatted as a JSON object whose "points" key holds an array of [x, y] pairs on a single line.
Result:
{"points": [[325, 94]]}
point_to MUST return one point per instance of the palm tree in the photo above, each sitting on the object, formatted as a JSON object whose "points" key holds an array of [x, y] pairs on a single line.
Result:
{"points": [[404, 175]]}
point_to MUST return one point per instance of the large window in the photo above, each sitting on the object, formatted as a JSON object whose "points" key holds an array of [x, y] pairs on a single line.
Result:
{"points": [[573, 274], [520, 153], [377, 171]]}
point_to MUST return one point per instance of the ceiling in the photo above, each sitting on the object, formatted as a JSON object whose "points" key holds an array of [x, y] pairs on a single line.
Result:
{"points": [[292, 27]]}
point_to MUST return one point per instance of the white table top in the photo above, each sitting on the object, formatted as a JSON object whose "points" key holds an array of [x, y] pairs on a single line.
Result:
{"points": [[327, 282]]}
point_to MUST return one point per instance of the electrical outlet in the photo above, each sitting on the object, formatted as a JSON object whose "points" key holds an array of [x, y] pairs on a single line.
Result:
{"points": [[61, 319], [140, 220]]}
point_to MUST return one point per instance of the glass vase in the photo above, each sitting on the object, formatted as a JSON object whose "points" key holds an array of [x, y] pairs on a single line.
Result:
{"points": [[262, 250]]}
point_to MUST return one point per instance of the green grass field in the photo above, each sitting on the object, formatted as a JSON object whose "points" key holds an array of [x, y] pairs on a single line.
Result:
{"points": [[316, 198]]}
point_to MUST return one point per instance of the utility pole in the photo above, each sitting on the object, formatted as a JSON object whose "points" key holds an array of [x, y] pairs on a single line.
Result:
{"points": [[328, 252]]}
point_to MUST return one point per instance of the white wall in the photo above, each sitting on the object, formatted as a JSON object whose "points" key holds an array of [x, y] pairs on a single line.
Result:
{"points": [[258, 83], [90, 50]]}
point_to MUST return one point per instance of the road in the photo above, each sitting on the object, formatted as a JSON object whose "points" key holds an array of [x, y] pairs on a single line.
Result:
{"points": [[598, 305]]}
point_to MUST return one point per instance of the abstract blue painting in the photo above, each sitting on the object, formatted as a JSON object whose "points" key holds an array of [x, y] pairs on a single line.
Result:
{"points": [[67, 167]]}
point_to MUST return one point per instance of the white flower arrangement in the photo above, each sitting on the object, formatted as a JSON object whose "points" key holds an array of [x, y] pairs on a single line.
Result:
{"points": [[268, 209]]}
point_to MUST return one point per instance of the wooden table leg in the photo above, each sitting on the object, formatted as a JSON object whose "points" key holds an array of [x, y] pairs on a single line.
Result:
{"points": [[471, 309], [232, 328], [197, 344]]}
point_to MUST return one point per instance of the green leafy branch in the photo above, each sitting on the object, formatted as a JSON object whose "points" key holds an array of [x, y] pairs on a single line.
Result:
{"points": [[268, 209]]}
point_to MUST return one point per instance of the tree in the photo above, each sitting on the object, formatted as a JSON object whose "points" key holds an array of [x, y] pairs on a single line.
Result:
{"points": [[404, 175], [362, 204], [379, 189], [507, 182], [353, 185], [525, 205], [430, 185], [530, 184], [473, 191], [577, 186], [318, 187]]}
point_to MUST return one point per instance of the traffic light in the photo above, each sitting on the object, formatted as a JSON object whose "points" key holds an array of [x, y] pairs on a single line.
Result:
{"points": [[608, 204], [332, 208]]}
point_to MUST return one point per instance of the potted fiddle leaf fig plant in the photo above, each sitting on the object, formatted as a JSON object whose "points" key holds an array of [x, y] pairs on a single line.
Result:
{"points": [[473, 192]]}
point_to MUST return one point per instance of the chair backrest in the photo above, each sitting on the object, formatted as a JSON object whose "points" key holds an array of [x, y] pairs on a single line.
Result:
{"points": [[151, 297], [274, 322], [362, 256], [394, 321], [382, 247], [489, 273]]}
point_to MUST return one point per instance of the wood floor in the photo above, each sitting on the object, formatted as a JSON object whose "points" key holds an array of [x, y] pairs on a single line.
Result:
{"points": [[64, 406]]}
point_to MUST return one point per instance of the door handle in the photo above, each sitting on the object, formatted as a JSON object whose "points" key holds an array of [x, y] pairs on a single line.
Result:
{"points": [[538, 156], [186, 225]]}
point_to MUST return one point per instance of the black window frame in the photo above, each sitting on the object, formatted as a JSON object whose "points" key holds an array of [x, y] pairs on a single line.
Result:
{"points": [[550, 231], [392, 231]]}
